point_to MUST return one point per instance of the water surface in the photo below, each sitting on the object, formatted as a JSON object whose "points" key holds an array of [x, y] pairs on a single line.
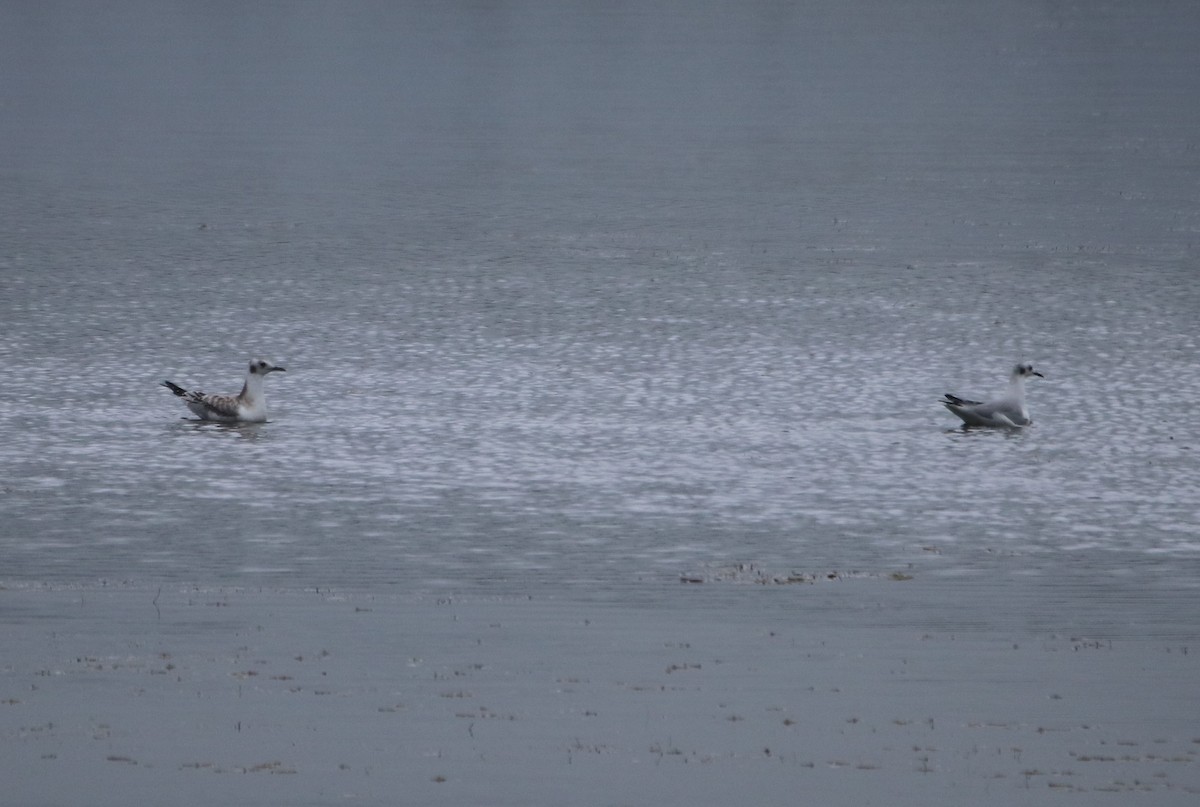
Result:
{"points": [[590, 297]]}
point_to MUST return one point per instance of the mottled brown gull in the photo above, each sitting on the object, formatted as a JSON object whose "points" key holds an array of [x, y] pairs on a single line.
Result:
{"points": [[249, 405]]}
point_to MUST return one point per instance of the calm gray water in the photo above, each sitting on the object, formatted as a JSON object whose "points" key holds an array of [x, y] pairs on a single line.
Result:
{"points": [[593, 294]]}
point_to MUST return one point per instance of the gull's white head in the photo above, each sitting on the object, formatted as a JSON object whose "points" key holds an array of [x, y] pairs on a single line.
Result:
{"points": [[1022, 371], [260, 368]]}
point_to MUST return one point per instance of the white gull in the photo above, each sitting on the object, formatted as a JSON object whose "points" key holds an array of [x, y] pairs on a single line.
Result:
{"points": [[249, 405], [1007, 410]]}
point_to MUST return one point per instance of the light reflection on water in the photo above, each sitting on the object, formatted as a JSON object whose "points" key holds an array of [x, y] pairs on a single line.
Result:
{"points": [[505, 462]]}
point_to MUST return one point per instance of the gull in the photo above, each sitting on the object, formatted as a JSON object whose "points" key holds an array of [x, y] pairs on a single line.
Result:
{"points": [[249, 405], [1007, 410]]}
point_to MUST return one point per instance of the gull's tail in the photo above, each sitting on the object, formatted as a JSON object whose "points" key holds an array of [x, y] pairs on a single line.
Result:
{"points": [[175, 388], [949, 400]]}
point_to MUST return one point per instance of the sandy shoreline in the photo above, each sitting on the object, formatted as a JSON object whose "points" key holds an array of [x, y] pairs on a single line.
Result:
{"points": [[833, 694]]}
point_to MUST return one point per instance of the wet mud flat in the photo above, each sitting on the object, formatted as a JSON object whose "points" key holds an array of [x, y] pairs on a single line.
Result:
{"points": [[856, 691]]}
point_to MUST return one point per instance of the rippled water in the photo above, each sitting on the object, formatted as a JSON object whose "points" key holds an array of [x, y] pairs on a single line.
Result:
{"points": [[592, 297]]}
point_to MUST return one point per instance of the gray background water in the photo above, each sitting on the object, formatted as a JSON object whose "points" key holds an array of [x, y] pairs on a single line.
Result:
{"points": [[597, 294]]}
